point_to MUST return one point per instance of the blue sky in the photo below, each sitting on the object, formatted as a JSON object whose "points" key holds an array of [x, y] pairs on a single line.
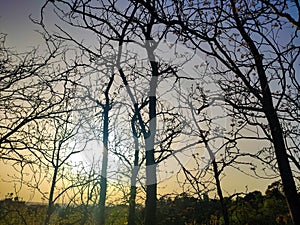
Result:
{"points": [[15, 22]]}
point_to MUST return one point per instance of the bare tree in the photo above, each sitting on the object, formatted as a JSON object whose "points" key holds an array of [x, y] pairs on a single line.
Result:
{"points": [[91, 85], [28, 93], [211, 133], [242, 39], [58, 141], [41, 116], [60, 153], [106, 106], [116, 25]]}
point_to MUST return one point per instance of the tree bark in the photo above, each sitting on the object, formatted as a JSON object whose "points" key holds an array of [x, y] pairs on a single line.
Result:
{"points": [[151, 189], [285, 171], [151, 180], [286, 174], [132, 204], [103, 181]]}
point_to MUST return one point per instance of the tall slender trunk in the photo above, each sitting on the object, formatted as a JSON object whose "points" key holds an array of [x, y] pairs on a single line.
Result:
{"points": [[132, 198], [215, 169], [220, 193], [100, 218], [134, 173], [151, 180], [132, 204], [217, 179], [103, 181], [286, 174], [151, 187], [266, 100]]}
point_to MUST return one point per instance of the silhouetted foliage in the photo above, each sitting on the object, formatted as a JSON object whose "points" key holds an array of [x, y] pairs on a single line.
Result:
{"points": [[253, 208]]}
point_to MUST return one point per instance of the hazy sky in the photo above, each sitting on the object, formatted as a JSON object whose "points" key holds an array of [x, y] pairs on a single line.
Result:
{"points": [[14, 21]]}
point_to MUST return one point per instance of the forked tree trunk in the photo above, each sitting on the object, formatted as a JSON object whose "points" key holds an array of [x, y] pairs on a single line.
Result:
{"points": [[215, 170], [217, 179]]}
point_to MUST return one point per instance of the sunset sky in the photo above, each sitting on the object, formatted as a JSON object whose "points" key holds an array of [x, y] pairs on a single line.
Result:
{"points": [[14, 21]]}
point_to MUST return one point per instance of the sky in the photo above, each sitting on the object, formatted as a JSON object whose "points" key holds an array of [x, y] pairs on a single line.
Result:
{"points": [[15, 22]]}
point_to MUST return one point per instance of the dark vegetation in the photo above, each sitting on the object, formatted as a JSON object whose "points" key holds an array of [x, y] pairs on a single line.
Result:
{"points": [[252, 208]]}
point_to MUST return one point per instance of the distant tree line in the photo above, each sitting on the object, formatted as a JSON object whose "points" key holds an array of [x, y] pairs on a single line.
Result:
{"points": [[251, 208]]}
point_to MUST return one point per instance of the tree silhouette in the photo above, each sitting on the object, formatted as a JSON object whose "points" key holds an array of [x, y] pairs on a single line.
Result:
{"points": [[241, 41]]}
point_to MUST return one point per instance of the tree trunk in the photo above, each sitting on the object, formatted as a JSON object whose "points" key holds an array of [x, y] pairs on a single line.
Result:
{"points": [[131, 213], [134, 173], [103, 181], [285, 171], [151, 181], [217, 179], [286, 174], [220, 193], [51, 195], [215, 170], [151, 189]]}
